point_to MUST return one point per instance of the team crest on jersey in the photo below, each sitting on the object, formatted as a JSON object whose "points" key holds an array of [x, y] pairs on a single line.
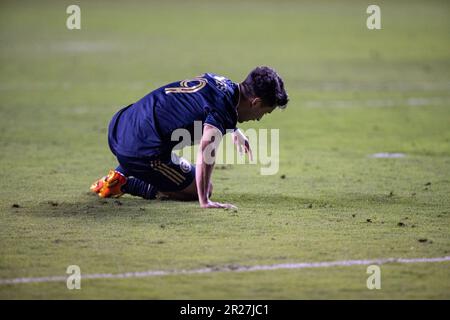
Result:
{"points": [[185, 165]]}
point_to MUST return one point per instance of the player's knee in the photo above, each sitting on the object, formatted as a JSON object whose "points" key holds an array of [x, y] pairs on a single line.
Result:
{"points": [[189, 193], [180, 196]]}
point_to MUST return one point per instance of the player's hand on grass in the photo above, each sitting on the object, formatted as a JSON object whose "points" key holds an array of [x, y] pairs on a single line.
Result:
{"points": [[242, 143], [218, 205]]}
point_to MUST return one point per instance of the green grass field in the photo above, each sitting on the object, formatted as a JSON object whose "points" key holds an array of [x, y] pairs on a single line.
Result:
{"points": [[354, 92]]}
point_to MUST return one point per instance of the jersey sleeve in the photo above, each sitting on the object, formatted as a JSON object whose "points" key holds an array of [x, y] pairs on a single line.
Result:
{"points": [[222, 113], [216, 120]]}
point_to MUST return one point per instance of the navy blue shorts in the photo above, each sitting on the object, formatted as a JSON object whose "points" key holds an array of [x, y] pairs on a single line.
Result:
{"points": [[168, 173]]}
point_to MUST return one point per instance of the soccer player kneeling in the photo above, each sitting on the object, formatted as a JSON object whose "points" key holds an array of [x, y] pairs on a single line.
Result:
{"points": [[139, 135]]}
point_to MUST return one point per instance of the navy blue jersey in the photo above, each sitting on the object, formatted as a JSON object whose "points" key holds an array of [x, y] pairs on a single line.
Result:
{"points": [[145, 127]]}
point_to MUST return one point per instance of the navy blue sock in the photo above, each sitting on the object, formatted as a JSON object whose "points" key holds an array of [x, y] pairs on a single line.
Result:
{"points": [[122, 170], [137, 187]]}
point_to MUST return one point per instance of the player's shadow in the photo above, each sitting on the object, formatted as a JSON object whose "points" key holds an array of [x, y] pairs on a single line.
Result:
{"points": [[90, 206]]}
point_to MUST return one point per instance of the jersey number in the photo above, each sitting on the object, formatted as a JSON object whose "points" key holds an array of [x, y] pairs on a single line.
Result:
{"points": [[185, 88]]}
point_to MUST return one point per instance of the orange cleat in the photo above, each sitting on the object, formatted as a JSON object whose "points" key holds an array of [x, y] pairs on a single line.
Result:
{"points": [[109, 186]]}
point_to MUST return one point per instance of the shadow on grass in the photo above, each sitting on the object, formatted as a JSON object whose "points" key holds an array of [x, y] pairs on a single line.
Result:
{"points": [[91, 206]]}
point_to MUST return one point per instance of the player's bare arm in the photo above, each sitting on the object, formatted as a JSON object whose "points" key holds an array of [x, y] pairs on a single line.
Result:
{"points": [[205, 164]]}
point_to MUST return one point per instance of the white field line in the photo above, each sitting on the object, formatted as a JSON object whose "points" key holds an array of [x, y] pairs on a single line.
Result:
{"points": [[387, 155], [156, 273]]}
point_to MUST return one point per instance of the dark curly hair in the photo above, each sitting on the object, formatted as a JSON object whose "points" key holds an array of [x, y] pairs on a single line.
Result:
{"points": [[265, 83]]}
